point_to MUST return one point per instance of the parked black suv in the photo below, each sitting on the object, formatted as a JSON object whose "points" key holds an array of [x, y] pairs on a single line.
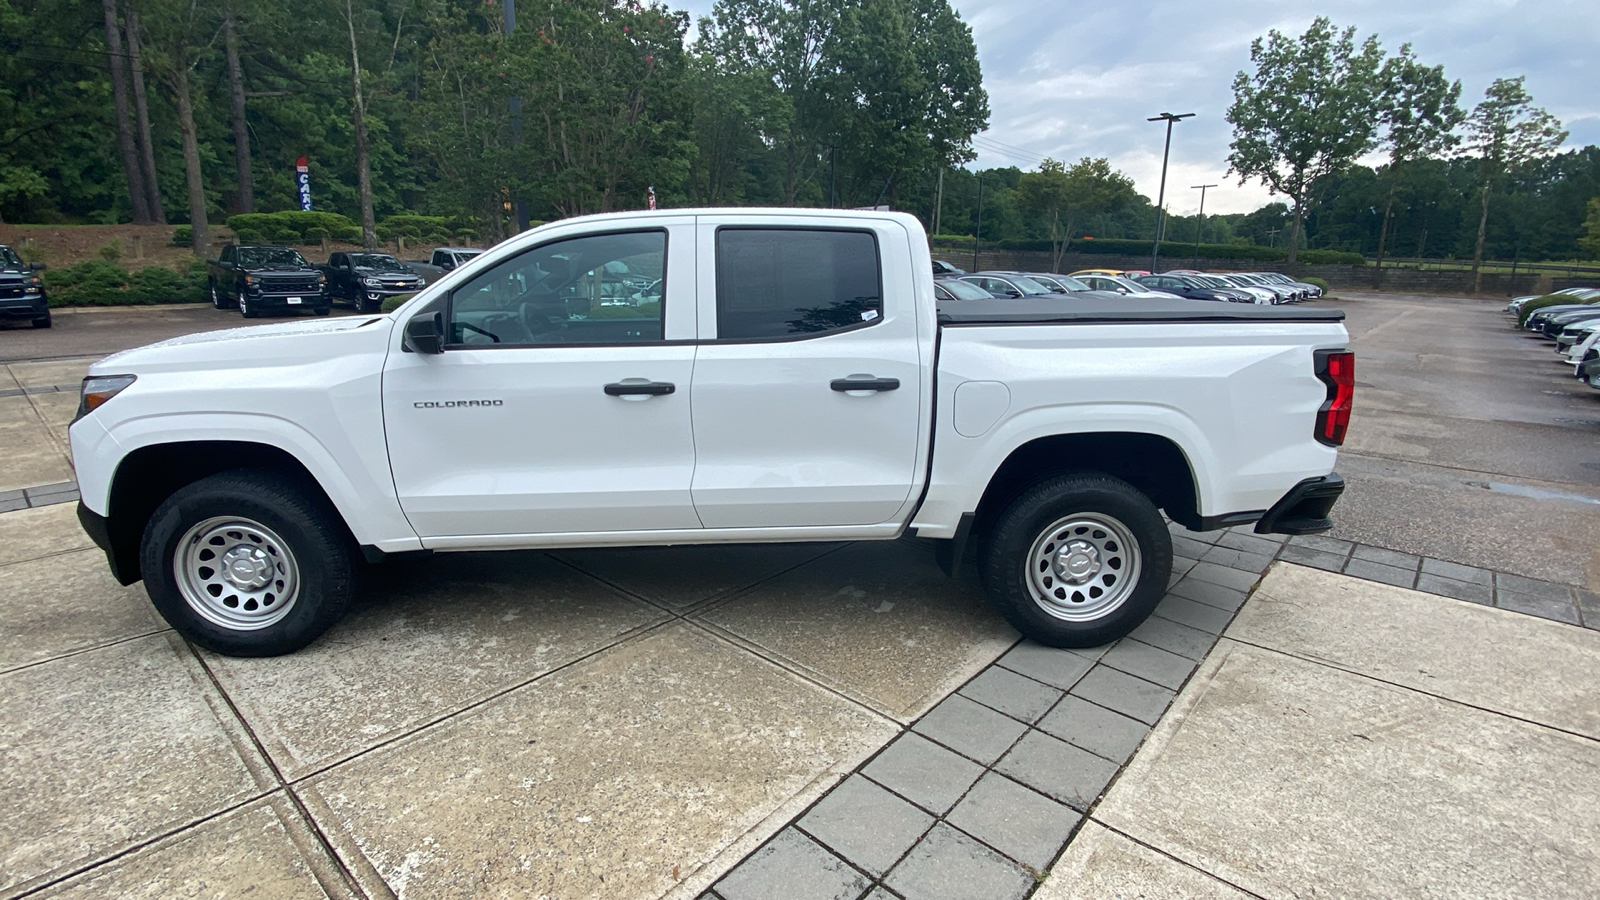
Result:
{"points": [[21, 291]]}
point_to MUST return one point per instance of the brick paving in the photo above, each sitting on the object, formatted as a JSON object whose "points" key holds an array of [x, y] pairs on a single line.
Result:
{"points": [[979, 797]]}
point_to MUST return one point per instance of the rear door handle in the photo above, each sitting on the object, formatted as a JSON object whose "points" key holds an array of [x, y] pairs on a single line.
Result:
{"points": [[653, 388], [864, 383]]}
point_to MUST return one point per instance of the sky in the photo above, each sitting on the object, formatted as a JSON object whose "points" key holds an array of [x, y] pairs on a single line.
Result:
{"points": [[1074, 79]]}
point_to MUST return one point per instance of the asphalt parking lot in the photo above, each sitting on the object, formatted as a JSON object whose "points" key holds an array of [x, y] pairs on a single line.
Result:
{"points": [[841, 720]]}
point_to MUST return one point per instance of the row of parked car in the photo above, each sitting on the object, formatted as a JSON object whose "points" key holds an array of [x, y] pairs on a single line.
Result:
{"points": [[951, 283], [262, 280], [1571, 318]]}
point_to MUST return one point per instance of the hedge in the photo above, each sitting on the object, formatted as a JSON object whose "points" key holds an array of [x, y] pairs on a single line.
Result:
{"points": [[99, 282], [293, 227], [1533, 306]]}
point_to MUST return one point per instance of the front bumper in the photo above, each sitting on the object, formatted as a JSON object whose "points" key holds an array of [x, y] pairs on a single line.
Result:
{"points": [[1305, 509], [282, 302], [24, 307]]}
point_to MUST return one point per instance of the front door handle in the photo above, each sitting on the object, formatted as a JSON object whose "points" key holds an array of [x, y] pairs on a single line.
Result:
{"points": [[652, 388], [864, 383]]}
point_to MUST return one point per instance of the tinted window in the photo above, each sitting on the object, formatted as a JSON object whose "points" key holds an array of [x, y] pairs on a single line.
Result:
{"points": [[781, 282], [600, 289]]}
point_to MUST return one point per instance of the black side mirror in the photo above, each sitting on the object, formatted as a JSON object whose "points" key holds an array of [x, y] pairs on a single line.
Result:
{"points": [[425, 333], [36, 266]]}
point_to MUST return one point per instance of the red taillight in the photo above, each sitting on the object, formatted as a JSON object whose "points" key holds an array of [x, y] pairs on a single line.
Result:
{"points": [[1337, 370]]}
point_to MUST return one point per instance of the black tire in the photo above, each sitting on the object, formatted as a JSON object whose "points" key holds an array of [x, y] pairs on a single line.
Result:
{"points": [[322, 311], [219, 297], [362, 304], [1111, 529], [305, 552], [42, 322], [245, 310]]}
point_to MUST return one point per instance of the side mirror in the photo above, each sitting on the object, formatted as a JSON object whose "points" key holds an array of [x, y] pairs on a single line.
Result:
{"points": [[425, 333], [36, 266]]}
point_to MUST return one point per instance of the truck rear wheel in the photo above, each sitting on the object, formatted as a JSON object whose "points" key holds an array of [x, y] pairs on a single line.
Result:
{"points": [[247, 564], [1078, 560]]}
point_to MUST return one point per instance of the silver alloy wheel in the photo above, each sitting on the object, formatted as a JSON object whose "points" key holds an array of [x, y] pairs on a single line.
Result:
{"points": [[244, 306], [1083, 567], [236, 573]]}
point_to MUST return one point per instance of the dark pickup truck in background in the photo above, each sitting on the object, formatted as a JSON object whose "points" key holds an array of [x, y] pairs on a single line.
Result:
{"points": [[444, 259], [365, 279], [266, 279], [21, 291]]}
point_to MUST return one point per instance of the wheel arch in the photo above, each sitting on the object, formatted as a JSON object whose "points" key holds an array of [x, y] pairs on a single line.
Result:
{"points": [[1153, 464], [150, 474]]}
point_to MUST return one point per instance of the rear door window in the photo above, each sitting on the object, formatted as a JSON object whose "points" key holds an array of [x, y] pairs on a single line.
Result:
{"points": [[775, 283]]}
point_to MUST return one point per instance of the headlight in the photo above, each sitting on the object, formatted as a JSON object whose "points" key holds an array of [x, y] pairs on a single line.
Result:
{"points": [[97, 389], [251, 279], [321, 276], [371, 282]]}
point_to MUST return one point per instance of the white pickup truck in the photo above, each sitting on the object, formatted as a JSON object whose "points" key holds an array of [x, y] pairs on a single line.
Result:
{"points": [[707, 376]]}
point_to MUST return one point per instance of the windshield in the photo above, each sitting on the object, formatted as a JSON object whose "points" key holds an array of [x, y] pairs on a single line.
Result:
{"points": [[1129, 284], [964, 290], [1067, 282], [381, 262], [1028, 286], [1210, 281], [271, 258], [9, 259]]}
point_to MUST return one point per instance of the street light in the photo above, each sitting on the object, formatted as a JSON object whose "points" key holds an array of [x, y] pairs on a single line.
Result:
{"points": [[1200, 221], [1161, 197]]}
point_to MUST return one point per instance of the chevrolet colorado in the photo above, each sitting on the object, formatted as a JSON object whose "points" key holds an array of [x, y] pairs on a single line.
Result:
{"points": [[707, 376]]}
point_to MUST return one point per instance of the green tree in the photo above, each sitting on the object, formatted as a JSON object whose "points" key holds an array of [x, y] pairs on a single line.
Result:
{"points": [[1309, 110], [1507, 132], [1591, 230], [1421, 112], [1088, 188]]}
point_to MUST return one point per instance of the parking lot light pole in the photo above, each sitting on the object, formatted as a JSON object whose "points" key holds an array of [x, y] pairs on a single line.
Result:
{"points": [[1161, 197], [1200, 222]]}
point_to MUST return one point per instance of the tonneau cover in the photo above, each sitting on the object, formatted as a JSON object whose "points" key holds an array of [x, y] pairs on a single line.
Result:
{"points": [[1096, 308]]}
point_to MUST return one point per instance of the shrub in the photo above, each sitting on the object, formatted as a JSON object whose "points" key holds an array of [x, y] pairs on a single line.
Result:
{"points": [[293, 227], [183, 236], [99, 282], [390, 304], [1533, 306], [1312, 279], [111, 251], [1331, 257]]}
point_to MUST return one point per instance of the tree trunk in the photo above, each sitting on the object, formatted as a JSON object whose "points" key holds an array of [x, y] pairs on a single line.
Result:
{"points": [[1388, 208], [141, 106], [191, 159], [246, 202], [1483, 229], [369, 230], [119, 98], [1293, 253]]}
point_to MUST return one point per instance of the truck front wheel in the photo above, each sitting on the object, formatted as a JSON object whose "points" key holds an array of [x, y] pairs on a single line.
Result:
{"points": [[1078, 560], [247, 564]]}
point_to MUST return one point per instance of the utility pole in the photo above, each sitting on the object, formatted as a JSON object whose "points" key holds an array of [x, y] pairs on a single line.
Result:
{"points": [[833, 177], [938, 200], [1200, 223], [1161, 197], [509, 22], [977, 239]]}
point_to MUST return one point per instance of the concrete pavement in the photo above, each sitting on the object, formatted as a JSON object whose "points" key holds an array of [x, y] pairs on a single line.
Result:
{"points": [[1351, 739]]}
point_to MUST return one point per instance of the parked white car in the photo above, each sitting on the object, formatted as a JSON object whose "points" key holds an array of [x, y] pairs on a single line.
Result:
{"points": [[795, 382]]}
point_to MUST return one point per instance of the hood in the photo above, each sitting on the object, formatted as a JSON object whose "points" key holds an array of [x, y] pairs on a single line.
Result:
{"points": [[286, 343]]}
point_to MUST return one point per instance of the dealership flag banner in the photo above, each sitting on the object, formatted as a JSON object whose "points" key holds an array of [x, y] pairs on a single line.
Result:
{"points": [[302, 178]]}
